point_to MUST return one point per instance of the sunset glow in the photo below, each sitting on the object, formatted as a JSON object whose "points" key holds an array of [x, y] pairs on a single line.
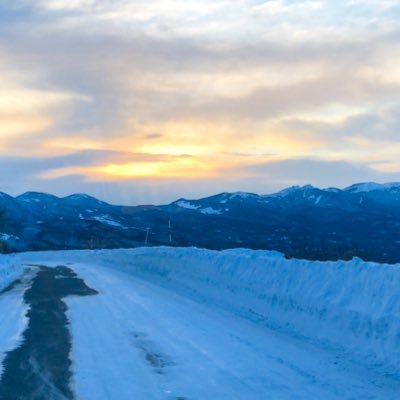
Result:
{"points": [[157, 96], [177, 169]]}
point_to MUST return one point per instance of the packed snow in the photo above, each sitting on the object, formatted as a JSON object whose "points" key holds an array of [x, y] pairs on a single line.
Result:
{"points": [[190, 206], [210, 211], [187, 205], [10, 269], [107, 220], [188, 323]]}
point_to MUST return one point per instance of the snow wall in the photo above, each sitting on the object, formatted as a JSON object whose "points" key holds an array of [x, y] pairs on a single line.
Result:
{"points": [[350, 307], [10, 269]]}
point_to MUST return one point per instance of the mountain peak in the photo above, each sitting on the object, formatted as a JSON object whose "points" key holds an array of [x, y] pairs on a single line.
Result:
{"points": [[292, 189], [366, 187], [83, 198], [242, 195], [79, 196], [36, 197]]}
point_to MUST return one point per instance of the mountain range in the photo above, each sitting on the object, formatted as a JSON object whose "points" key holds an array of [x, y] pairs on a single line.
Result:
{"points": [[362, 220]]}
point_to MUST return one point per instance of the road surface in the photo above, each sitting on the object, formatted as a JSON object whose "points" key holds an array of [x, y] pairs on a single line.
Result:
{"points": [[136, 339]]}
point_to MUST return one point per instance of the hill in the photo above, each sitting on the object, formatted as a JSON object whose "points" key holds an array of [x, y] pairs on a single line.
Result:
{"points": [[304, 222]]}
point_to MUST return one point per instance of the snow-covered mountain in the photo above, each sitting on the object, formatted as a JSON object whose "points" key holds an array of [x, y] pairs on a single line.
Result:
{"points": [[373, 187], [349, 198], [361, 220]]}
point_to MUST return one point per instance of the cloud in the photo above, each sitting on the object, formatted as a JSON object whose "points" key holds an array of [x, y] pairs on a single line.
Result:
{"points": [[66, 5], [261, 178], [368, 128], [317, 172], [277, 7], [26, 110], [153, 136], [136, 85]]}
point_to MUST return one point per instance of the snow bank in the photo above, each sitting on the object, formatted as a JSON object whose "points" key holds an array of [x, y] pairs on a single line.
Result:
{"points": [[10, 269], [351, 307]]}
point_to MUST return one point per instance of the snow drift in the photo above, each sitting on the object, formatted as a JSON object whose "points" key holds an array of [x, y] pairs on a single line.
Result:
{"points": [[10, 269], [349, 307]]}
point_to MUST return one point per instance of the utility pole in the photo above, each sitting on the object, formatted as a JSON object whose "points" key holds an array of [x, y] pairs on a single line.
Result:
{"points": [[147, 236], [170, 231]]}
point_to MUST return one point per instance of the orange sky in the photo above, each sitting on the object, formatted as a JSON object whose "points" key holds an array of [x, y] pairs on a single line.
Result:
{"points": [[170, 98]]}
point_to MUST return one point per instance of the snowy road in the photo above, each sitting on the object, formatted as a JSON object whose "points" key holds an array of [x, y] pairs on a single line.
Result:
{"points": [[139, 340]]}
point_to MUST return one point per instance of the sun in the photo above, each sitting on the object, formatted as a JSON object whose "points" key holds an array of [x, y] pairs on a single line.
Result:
{"points": [[174, 167]]}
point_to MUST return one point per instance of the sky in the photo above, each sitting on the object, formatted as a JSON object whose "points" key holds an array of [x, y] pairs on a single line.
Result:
{"points": [[139, 102]]}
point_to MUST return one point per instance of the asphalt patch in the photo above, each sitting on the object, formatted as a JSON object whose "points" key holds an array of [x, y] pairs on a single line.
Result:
{"points": [[40, 369]]}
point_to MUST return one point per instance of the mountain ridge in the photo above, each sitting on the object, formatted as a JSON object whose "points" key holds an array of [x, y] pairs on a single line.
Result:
{"points": [[361, 187], [301, 221]]}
